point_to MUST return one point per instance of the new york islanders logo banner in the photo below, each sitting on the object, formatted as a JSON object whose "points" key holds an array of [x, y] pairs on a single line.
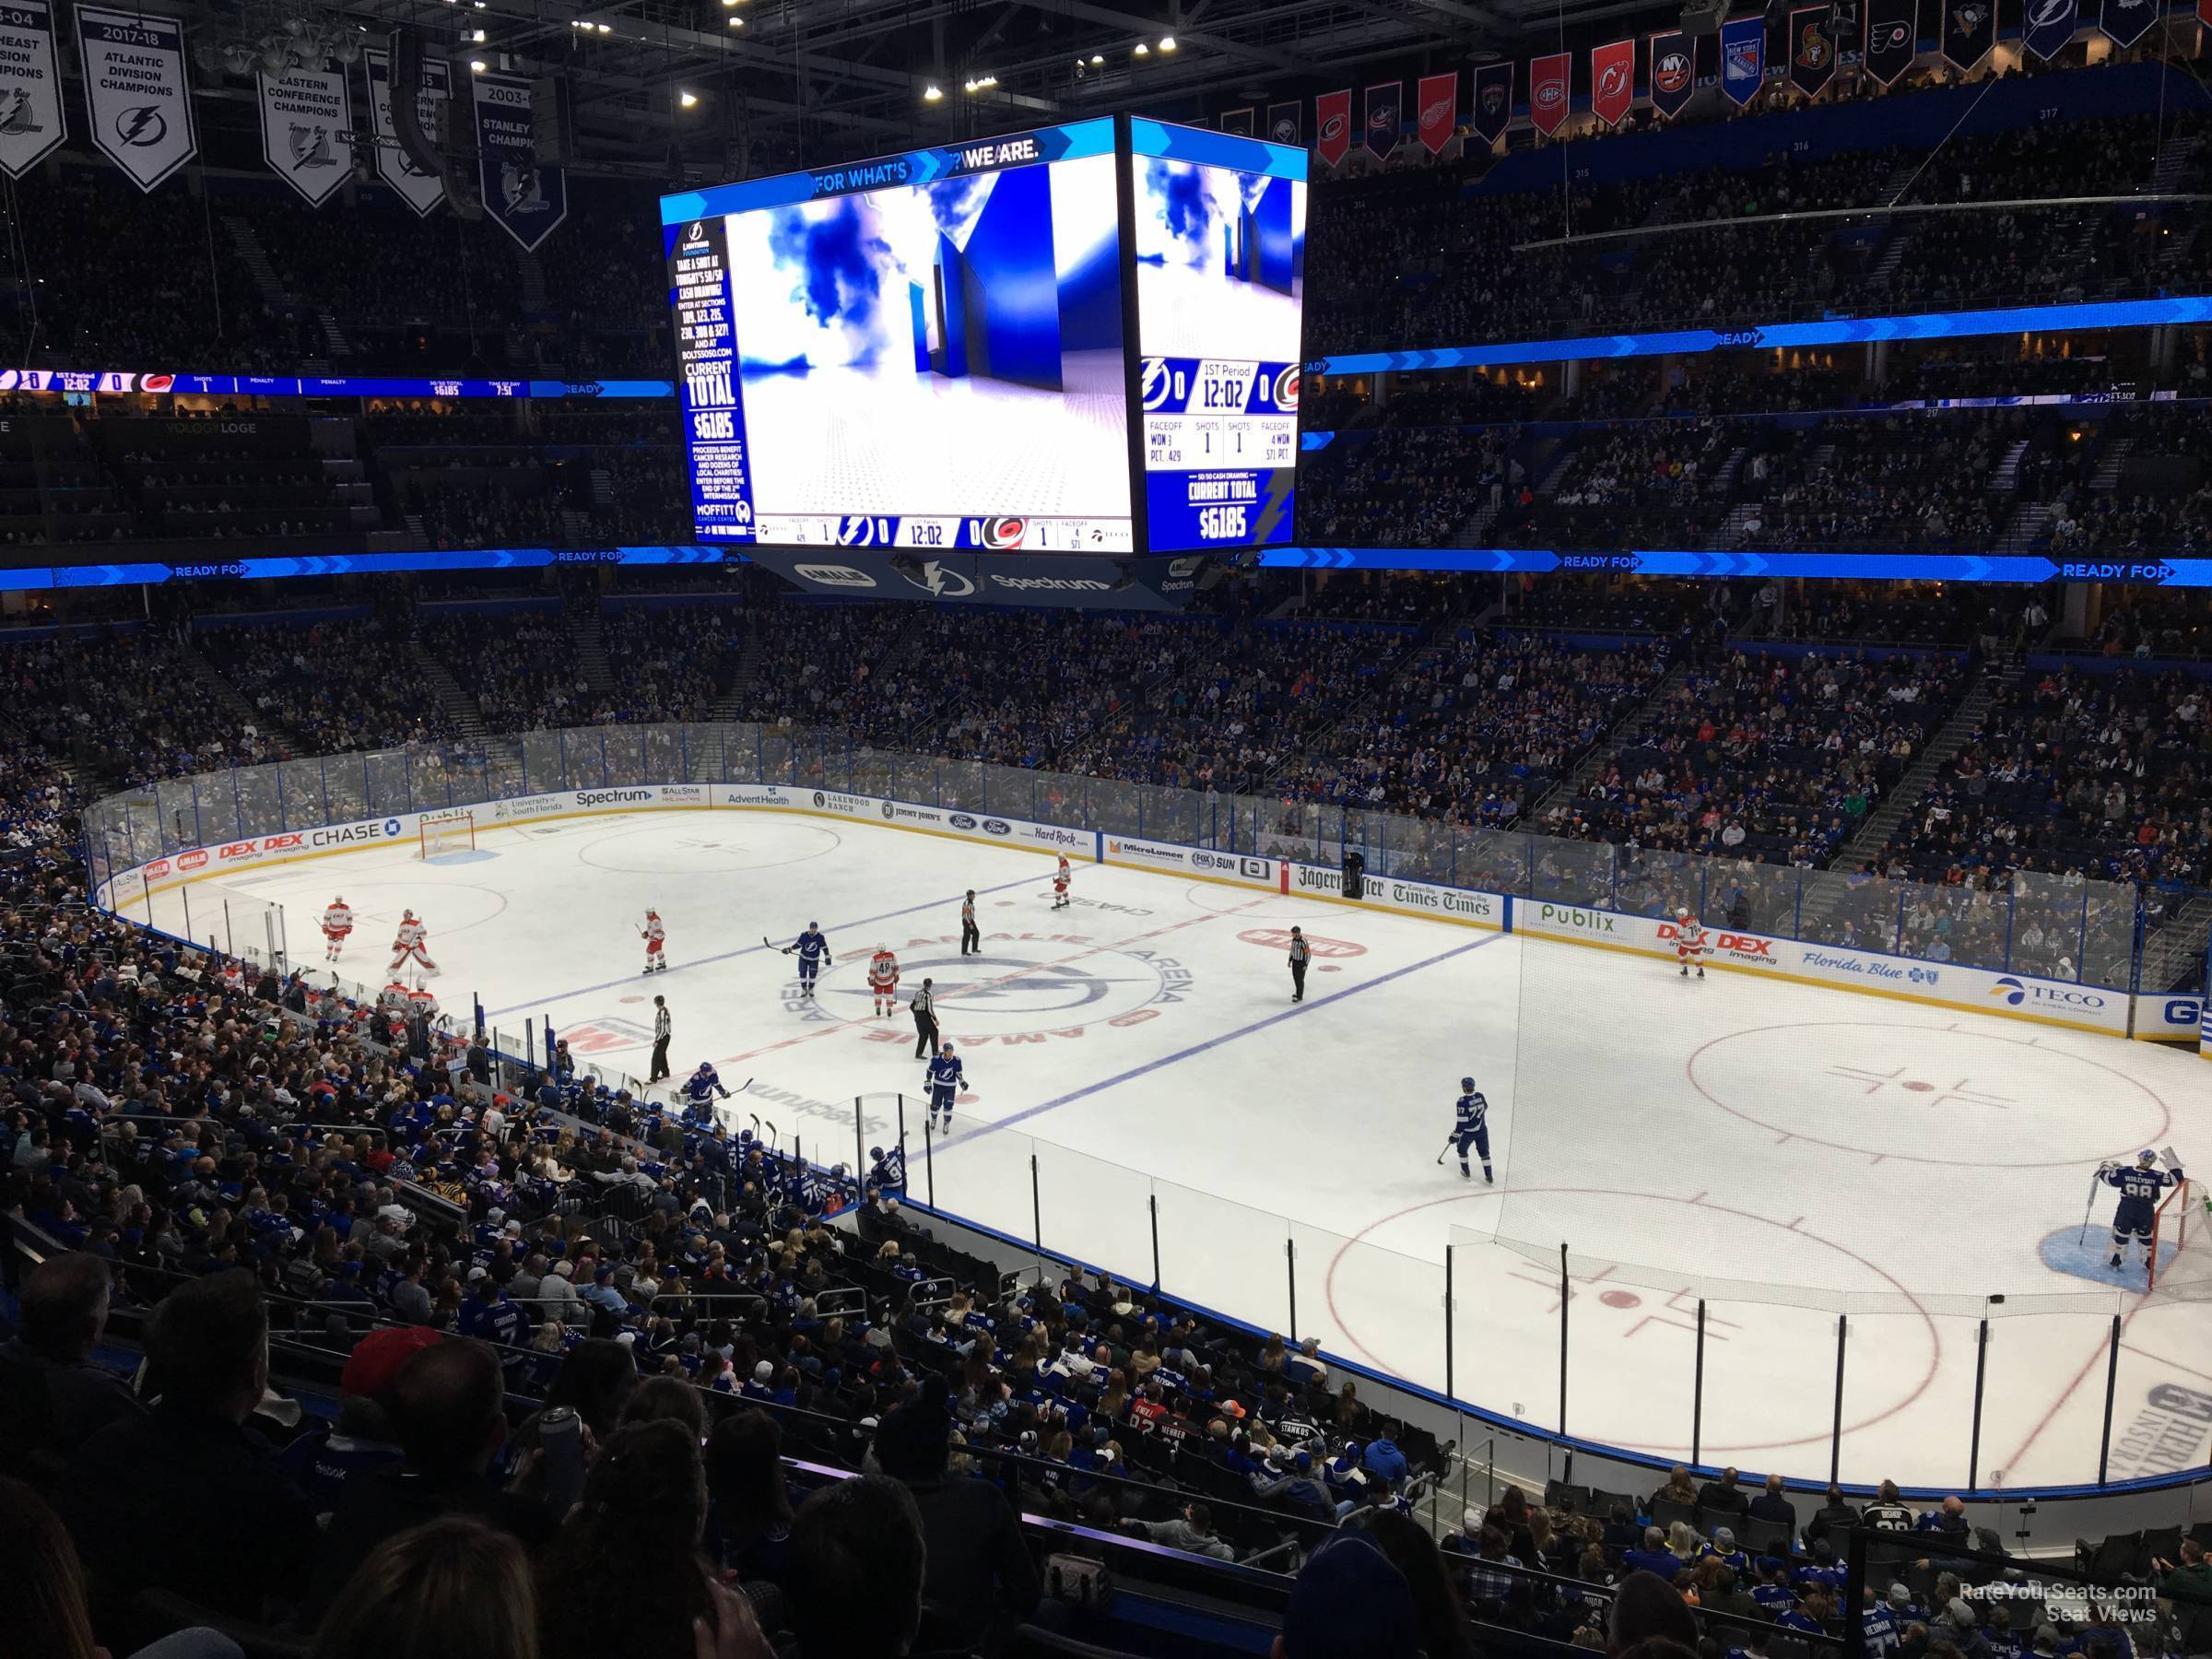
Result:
{"points": [[1385, 103], [1282, 123], [1436, 102], [1493, 100], [307, 128], [1333, 126], [2047, 27], [1613, 81], [1743, 58], [1548, 91], [527, 199], [1674, 72], [421, 191], [1892, 38], [135, 91], [1970, 32], [32, 123], [1812, 50]]}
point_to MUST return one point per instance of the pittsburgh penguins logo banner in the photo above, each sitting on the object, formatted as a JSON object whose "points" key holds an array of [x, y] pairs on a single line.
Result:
{"points": [[1283, 123], [1493, 100], [2127, 21], [421, 191], [1674, 72], [1812, 50], [307, 128], [1892, 38], [136, 93], [31, 125], [527, 199], [2047, 27], [1970, 32]]}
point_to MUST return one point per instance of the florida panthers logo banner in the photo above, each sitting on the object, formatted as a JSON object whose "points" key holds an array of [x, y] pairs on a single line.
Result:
{"points": [[1812, 50], [135, 91], [2047, 27], [1435, 103], [307, 128], [1493, 100], [2127, 21], [1333, 126], [1743, 58], [1547, 92], [1613, 81], [527, 199], [1892, 38], [421, 191], [1384, 103], [31, 87], [1970, 32], [1674, 72], [1282, 126]]}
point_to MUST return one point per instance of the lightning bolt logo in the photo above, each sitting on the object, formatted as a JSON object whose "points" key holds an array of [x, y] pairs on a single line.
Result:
{"points": [[142, 125]]}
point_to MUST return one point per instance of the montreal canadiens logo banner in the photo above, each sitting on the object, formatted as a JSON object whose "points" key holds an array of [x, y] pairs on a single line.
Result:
{"points": [[1674, 72], [1892, 38], [307, 128], [2047, 27], [1812, 50], [1282, 124], [32, 123], [2127, 21], [136, 92], [527, 199], [1385, 101], [1743, 58], [1613, 81], [1333, 126], [421, 191], [1548, 91], [1436, 101], [1493, 100]]}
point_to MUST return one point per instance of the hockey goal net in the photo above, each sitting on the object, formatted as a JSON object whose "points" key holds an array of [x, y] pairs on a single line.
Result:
{"points": [[2172, 1230], [448, 833]]}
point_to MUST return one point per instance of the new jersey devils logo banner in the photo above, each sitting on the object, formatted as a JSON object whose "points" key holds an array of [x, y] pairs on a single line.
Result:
{"points": [[421, 191], [1436, 100], [1384, 101], [307, 128], [1612, 81], [1892, 38], [1812, 52], [1238, 121], [1970, 31], [527, 199], [2048, 26], [1333, 125], [1493, 100], [32, 124], [1674, 72], [1282, 123], [1743, 58], [135, 91], [1547, 92]]}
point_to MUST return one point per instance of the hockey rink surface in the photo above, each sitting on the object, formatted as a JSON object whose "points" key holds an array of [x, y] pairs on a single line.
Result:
{"points": [[1786, 1152]]}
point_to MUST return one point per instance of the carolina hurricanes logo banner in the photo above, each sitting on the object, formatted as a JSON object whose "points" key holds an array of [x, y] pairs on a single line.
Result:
{"points": [[1970, 31], [2047, 26], [32, 124], [421, 191], [1612, 81], [1493, 100], [1238, 121], [1282, 123], [136, 92], [1384, 102], [2127, 21], [1674, 72], [1333, 125], [1743, 58], [307, 128], [1547, 92], [1892, 38], [1435, 102], [1812, 50], [527, 199]]}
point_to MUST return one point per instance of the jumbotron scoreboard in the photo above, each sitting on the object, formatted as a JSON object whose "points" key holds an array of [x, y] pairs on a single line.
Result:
{"points": [[1083, 338]]}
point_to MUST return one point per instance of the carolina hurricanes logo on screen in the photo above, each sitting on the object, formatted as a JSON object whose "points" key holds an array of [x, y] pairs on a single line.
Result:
{"points": [[10, 379], [156, 383], [1002, 534], [1671, 73], [1155, 382], [1285, 389], [1613, 82]]}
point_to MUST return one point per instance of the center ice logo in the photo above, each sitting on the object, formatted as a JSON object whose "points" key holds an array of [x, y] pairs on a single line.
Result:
{"points": [[1024, 988]]}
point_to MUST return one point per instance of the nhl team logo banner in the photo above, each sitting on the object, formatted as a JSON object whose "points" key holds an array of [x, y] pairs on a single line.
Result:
{"points": [[1812, 50], [31, 87], [1892, 38], [1674, 72], [1385, 101], [1743, 58], [1970, 32], [136, 93], [527, 199], [2047, 26], [1333, 126], [1548, 91], [1493, 100], [307, 128], [421, 191], [1612, 81], [2127, 21], [1436, 101], [1283, 125], [1238, 121]]}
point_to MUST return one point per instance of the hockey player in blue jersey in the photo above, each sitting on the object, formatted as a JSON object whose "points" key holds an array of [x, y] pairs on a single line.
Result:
{"points": [[1472, 1128], [2140, 1190], [814, 956], [944, 1079]]}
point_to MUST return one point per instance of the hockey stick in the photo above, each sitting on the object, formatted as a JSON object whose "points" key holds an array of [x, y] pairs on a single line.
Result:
{"points": [[786, 949], [1448, 1146], [2096, 1181]]}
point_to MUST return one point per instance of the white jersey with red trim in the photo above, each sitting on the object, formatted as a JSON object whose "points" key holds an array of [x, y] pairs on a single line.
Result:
{"points": [[1690, 938], [422, 1001], [393, 998], [409, 935], [883, 971], [653, 932], [337, 921]]}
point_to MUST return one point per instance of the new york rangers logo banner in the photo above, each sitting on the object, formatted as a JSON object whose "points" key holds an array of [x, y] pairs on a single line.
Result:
{"points": [[1238, 121], [1612, 81], [307, 128], [1812, 50], [527, 199], [1493, 100], [1333, 126], [1436, 101], [2047, 26], [31, 87], [136, 92], [421, 191], [1674, 72], [1743, 58], [1282, 123], [1548, 91], [1384, 113], [2127, 21], [1892, 38], [1970, 32]]}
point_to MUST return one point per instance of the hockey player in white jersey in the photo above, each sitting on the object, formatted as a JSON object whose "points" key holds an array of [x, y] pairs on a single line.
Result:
{"points": [[337, 924], [407, 946], [1061, 877], [422, 1001], [883, 979], [393, 999], [1689, 943], [2138, 1211], [656, 938], [944, 1079]]}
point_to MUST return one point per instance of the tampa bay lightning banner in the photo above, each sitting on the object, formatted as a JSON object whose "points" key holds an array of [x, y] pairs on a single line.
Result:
{"points": [[307, 128], [2047, 27], [1743, 58], [1384, 102], [135, 91], [525, 198], [31, 125], [1812, 50], [420, 190], [1493, 100], [1892, 38], [2127, 21], [1283, 125], [1970, 32]]}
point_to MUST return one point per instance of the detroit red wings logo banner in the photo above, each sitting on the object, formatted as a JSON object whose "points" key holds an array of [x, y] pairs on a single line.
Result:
{"points": [[1812, 50], [1333, 126], [1674, 72], [1493, 100], [1613, 81], [1547, 92], [1435, 102]]}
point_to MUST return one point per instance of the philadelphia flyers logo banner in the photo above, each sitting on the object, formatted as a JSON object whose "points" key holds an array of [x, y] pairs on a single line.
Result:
{"points": [[1892, 38]]}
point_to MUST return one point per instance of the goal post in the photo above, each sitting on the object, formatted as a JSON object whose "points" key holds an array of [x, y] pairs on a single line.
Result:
{"points": [[445, 832], [2170, 1231]]}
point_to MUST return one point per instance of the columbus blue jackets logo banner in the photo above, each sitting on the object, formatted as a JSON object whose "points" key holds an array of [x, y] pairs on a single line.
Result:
{"points": [[1674, 72], [2047, 26], [31, 125], [421, 191], [1743, 58], [1384, 110], [1812, 50], [1970, 31], [1283, 125], [136, 93], [1493, 100], [2127, 21], [1892, 38], [525, 198], [307, 128]]}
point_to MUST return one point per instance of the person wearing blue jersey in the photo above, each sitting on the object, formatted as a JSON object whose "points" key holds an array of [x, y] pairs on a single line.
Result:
{"points": [[813, 951], [944, 1078], [1471, 1128], [2139, 1191]]}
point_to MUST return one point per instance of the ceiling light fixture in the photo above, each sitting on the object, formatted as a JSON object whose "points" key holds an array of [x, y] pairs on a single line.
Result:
{"points": [[687, 99], [931, 94], [476, 66], [1166, 42], [1141, 51]]}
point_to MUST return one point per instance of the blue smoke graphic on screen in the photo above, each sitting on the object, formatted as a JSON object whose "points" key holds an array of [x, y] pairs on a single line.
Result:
{"points": [[1184, 205], [838, 262]]}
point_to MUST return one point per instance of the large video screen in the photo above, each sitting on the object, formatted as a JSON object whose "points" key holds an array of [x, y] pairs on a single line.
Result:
{"points": [[1221, 256], [921, 351]]}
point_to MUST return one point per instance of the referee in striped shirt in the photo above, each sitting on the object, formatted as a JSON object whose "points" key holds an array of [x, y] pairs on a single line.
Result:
{"points": [[1300, 954], [925, 1020], [660, 1040]]}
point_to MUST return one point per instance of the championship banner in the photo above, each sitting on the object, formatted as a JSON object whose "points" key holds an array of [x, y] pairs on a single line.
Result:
{"points": [[1812, 52], [2126, 21], [527, 199], [1435, 102], [1333, 126], [1493, 100], [1282, 123], [1548, 91], [1743, 58], [32, 124], [136, 92], [1674, 72], [1970, 32], [1384, 101], [1613, 81], [1893, 37], [307, 128], [2047, 27], [1238, 121], [421, 191]]}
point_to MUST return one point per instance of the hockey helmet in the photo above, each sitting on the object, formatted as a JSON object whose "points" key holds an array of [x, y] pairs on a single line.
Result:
{"points": [[1467, 1084], [407, 915], [948, 1047], [2146, 1156], [1682, 915], [875, 1151]]}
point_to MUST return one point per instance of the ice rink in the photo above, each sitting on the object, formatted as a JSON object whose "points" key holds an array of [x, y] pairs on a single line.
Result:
{"points": [[1783, 1153]]}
